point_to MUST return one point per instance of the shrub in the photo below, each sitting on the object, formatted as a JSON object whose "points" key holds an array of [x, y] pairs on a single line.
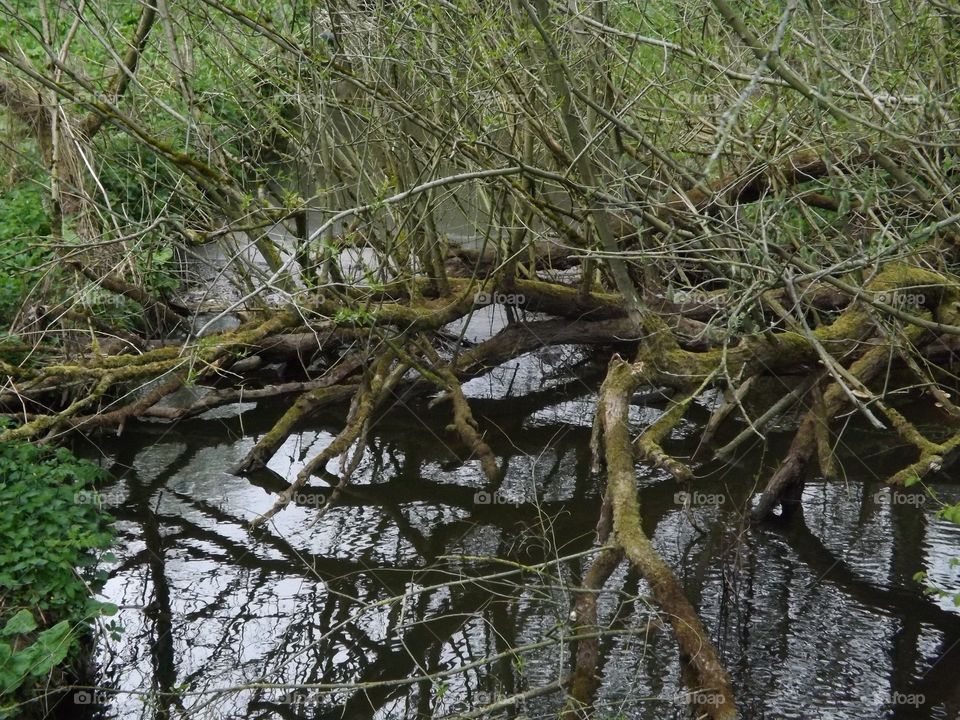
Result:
{"points": [[49, 540]]}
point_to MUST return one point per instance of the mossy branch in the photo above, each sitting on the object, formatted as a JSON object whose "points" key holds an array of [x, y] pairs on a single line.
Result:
{"points": [[697, 652]]}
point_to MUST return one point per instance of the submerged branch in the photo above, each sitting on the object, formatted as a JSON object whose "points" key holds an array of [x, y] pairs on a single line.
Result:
{"points": [[712, 682]]}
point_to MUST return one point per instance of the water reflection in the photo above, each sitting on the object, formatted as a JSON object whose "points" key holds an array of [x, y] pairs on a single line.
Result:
{"points": [[414, 574]]}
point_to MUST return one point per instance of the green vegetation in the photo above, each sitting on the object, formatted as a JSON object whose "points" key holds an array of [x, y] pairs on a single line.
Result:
{"points": [[23, 225], [794, 165], [950, 513], [52, 533]]}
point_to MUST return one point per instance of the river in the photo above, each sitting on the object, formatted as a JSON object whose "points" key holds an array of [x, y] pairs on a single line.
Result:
{"points": [[419, 569]]}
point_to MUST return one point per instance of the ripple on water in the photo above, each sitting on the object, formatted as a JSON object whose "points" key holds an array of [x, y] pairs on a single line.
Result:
{"points": [[154, 459], [853, 522], [297, 450], [942, 549], [801, 639], [578, 412], [363, 533]]}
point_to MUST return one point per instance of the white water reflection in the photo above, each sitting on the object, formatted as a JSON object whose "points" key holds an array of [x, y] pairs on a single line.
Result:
{"points": [[818, 619]]}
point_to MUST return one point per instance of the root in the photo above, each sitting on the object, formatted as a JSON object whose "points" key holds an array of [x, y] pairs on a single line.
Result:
{"points": [[732, 398], [305, 406], [821, 431], [463, 420], [466, 426], [778, 408]]}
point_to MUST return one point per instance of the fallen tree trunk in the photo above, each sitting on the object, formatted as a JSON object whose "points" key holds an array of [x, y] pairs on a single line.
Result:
{"points": [[712, 694]]}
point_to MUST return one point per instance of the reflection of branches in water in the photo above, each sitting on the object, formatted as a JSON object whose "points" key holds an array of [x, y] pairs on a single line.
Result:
{"points": [[458, 623], [449, 615], [374, 636], [828, 568], [382, 641]]}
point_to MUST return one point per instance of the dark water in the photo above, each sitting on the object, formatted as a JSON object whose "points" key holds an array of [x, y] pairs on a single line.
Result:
{"points": [[409, 575]]}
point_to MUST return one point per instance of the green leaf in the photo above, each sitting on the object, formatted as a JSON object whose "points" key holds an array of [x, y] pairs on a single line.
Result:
{"points": [[951, 513], [52, 647], [97, 608], [20, 624]]}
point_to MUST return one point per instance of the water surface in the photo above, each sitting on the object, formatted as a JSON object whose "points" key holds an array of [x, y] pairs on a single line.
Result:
{"points": [[405, 576]]}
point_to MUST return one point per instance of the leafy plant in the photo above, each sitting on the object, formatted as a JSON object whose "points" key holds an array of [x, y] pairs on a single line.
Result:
{"points": [[22, 220], [952, 514], [36, 659], [354, 317], [49, 538]]}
